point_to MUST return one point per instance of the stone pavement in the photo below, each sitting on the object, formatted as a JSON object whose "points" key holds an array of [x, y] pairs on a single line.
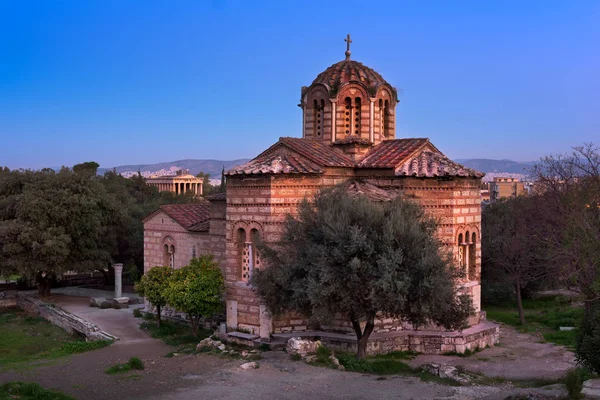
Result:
{"points": [[119, 323]]}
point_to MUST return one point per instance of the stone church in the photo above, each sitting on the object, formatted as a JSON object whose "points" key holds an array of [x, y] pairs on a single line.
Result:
{"points": [[348, 136]]}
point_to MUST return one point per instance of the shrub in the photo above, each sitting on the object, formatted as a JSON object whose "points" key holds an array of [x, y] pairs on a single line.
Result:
{"points": [[197, 290], [133, 363], [587, 350], [137, 313], [323, 354], [22, 390], [574, 381], [152, 286], [296, 357]]}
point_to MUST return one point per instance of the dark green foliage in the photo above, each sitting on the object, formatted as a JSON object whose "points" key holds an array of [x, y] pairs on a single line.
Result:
{"points": [[134, 363], [574, 381], [137, 313], [347, 255], [197, 290], [296, 357], [29, 391], [588, 341], [73, 220], [375, 365], [323, 354], [174, 334]]}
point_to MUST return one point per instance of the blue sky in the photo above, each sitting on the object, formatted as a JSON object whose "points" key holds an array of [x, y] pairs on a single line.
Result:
{"points": [[127, 82]]}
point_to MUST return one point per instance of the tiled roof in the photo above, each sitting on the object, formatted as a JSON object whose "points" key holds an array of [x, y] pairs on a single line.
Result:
{"points": [[389, 153], [372, 192], [189, 216], [407, 157], [303, 156], [216, 197], [349, 71], [430, 164]]}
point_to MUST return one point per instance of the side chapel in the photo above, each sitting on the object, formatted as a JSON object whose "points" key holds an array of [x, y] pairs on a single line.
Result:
{"points": [[348, 136]]}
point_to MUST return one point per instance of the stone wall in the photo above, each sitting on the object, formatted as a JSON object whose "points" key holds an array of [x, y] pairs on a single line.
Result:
{"points": [[426, 342], [263, 202], [71, 323]]}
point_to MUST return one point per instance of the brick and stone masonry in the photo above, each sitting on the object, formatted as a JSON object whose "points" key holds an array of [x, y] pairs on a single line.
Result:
{"points": [[349, 137]]}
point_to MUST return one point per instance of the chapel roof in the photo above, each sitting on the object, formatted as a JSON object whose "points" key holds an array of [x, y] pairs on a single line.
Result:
{"points": [[416, 157], [193, 217], [294, 156]]}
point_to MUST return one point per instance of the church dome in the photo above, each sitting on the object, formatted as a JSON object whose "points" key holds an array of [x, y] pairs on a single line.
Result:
{"points": [[347, 71]]}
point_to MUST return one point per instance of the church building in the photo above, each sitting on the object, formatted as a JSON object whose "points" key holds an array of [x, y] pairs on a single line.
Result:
{"points": [[348, 136]]}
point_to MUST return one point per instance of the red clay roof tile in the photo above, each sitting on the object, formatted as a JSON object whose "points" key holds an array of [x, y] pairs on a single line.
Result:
{"points": [[189, 216]]}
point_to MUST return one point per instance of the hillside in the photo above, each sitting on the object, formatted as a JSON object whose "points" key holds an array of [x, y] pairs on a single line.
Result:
{"points": [[212, 167], [500, 166]]}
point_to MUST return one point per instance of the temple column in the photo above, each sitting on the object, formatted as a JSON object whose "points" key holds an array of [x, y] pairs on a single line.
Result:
{"points": [[118, 280]]}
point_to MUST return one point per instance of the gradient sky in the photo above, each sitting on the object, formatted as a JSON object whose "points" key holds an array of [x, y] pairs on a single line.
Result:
{"points": [[128, 82]]}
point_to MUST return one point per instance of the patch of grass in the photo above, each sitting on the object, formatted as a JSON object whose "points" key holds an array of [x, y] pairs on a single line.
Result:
{"points": [[264, 347], [296, 357], [137, 313], [574, 381], [29, 391], [174, 334], [134, 363], [397, 355], [323, 354], [544, 315], [25, 340], [373, 365]]}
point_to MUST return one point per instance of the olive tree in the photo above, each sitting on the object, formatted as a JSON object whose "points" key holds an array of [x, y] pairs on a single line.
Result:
{"points": [[346, 256]]}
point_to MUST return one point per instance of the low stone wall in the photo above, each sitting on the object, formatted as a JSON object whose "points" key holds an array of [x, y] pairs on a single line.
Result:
{"points": [[8, 301], [61, 318], [480, 336], [427, 342]]}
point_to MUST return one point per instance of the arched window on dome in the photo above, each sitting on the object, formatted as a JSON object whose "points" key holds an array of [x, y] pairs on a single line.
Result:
{"points": [[386, 119], [381, 112], [357, 116], [348, 115], [316, 118], [321, 118]]}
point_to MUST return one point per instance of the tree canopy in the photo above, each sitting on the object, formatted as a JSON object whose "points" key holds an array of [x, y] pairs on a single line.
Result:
{"points": [[197, 290], [347, 256], [153, 285], [73, 220]]}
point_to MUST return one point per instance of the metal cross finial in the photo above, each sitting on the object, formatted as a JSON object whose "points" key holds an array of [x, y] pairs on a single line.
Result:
{"points": [[348, 41]]}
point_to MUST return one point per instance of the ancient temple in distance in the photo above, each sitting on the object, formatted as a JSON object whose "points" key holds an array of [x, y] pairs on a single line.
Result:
{"points": [[348, 136]]}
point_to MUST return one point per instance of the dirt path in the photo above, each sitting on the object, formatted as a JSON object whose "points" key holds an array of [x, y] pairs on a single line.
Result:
{"points": [[205, 376], [520, 356]]}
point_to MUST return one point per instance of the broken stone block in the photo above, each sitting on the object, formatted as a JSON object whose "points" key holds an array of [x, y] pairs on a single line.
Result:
{"points": [[249, 365], [297, 345], [591, 389]]}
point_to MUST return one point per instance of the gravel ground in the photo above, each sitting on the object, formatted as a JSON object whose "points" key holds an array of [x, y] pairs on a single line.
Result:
{"points": [[206, 376]]}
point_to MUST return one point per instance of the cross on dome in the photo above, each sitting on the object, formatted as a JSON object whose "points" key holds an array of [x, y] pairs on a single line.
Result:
{"points": [[348, 41]]}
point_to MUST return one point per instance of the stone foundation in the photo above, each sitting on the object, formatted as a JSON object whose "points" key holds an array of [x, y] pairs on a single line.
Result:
{"points": [[480, 336]]}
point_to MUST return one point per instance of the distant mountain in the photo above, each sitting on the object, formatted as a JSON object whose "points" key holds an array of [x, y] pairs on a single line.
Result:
{"points": [[488, 166], [212, 167]]}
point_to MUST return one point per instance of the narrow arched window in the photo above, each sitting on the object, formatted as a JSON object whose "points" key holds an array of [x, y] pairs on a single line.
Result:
{"points": [[381, 111], [321, 118], [316, 118], [348, 115], [461, 251], [194, 251], [166, 255], [244, 251], [386, 119], [255, 240], [473, 257], [357, 111], [172, 256]]}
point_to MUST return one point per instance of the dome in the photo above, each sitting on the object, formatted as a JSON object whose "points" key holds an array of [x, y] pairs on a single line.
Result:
{"points": [[350, 71]]}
